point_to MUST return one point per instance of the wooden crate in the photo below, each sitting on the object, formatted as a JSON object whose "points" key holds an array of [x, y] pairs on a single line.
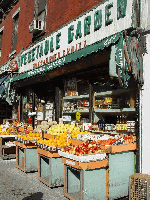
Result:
{"points": [[123, 148], [85, 180], [8, 152], [26, 157], [119, 148], [5, 151], [50, 168], [7, 120], [76, 142], [48, 136]]}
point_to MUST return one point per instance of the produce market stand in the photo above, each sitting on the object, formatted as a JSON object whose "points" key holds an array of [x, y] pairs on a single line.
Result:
{"points": [[50, 168], [26, 156], [113, 175], [7, 151], [85, 166], [85, 180]]}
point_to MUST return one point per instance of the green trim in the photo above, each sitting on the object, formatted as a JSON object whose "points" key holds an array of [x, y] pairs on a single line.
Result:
{"points": [[69, 58]]}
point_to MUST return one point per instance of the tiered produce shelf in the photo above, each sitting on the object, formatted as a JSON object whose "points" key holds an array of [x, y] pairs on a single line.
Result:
{"points": [[50, 168], [26, 157]]}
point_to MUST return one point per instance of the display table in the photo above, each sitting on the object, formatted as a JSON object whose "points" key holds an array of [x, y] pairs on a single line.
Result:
{"points": [[121, 166], [6, 151], [85, 180], [50, 168], [26, 157], [106, 179]]}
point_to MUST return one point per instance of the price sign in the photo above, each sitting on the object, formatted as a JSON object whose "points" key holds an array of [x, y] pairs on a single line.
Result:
{"points": [[71, 87], [78, 116]]}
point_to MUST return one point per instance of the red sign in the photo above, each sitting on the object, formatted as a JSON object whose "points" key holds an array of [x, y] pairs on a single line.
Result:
{"points": [[13, 65]]}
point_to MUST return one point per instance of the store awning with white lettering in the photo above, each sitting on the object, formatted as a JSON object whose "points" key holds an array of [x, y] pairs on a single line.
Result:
{"points": [[68, 58]]}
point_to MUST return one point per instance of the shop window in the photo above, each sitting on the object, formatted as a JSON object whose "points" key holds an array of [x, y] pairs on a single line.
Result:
{"points": [[40, 9], [1, 38], [39, 16], [15, 32]]}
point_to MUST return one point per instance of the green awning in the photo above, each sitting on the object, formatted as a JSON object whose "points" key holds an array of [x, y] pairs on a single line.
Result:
{"points": [[119, 66], [2, 89], [69, 58]]}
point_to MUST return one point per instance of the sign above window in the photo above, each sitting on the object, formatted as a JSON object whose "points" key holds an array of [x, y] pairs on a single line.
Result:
{"points": [[102, 21]]}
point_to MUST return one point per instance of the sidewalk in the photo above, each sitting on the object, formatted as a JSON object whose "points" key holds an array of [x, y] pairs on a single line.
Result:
{"points": [[17, 185]]}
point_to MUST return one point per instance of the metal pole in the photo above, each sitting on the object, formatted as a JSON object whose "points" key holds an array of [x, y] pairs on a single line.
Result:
{"points": [[33, 108], [91, 113]]}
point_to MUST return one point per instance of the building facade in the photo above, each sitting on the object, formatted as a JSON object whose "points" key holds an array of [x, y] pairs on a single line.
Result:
{"points": [[53, 50]]}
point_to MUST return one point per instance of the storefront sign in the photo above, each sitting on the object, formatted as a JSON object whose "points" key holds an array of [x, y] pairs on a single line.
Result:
{"points": [[104, 20], [13, 65], [49, 106], [49, 115], [10, 66], [39, 115], [71, 87], [69, 58]]}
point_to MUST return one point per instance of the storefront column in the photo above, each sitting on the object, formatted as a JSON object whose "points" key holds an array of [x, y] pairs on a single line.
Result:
{"points": [[91, 114], [20, 109], [145, 111], [58, 104], [33, 109]]}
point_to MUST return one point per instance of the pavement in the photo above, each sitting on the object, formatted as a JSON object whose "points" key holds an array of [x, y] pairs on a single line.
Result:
{"points": [[17, 185]]}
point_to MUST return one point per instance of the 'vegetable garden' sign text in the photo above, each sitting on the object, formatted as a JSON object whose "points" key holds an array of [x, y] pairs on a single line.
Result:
{"points": [[106, 19]]}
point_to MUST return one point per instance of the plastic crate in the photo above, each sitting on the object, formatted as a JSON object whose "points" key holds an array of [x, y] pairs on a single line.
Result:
{"points": [[139, 187]]}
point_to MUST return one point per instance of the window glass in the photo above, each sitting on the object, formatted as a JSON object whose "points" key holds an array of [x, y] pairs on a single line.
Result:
{"points": [[15, 32], [1, 37], [42, 4]]}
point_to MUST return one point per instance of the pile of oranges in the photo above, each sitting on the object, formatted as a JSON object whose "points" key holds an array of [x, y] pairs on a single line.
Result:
{"points": [[4, 133], [31, 136], [59, 141]]}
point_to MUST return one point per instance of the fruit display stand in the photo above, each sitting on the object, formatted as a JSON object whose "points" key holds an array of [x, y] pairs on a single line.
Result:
{"points": [[85, 180], [7, 147], [50, 168], [26, 157], [121, 166]]}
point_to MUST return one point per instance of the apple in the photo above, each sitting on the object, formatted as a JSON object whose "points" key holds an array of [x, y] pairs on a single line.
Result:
{"points": [[90, 145]]}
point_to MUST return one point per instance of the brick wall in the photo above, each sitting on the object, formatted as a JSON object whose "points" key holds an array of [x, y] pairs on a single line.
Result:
{"points": [[58, 13]]}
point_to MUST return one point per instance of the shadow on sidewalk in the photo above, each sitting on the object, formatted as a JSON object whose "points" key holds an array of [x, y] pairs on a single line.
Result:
{"points": [[34, 196]]}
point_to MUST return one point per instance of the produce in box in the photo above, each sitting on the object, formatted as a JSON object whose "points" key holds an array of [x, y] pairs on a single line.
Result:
{"points": [[86, 152], [63, 129], [58, 142], [29, 137]]}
